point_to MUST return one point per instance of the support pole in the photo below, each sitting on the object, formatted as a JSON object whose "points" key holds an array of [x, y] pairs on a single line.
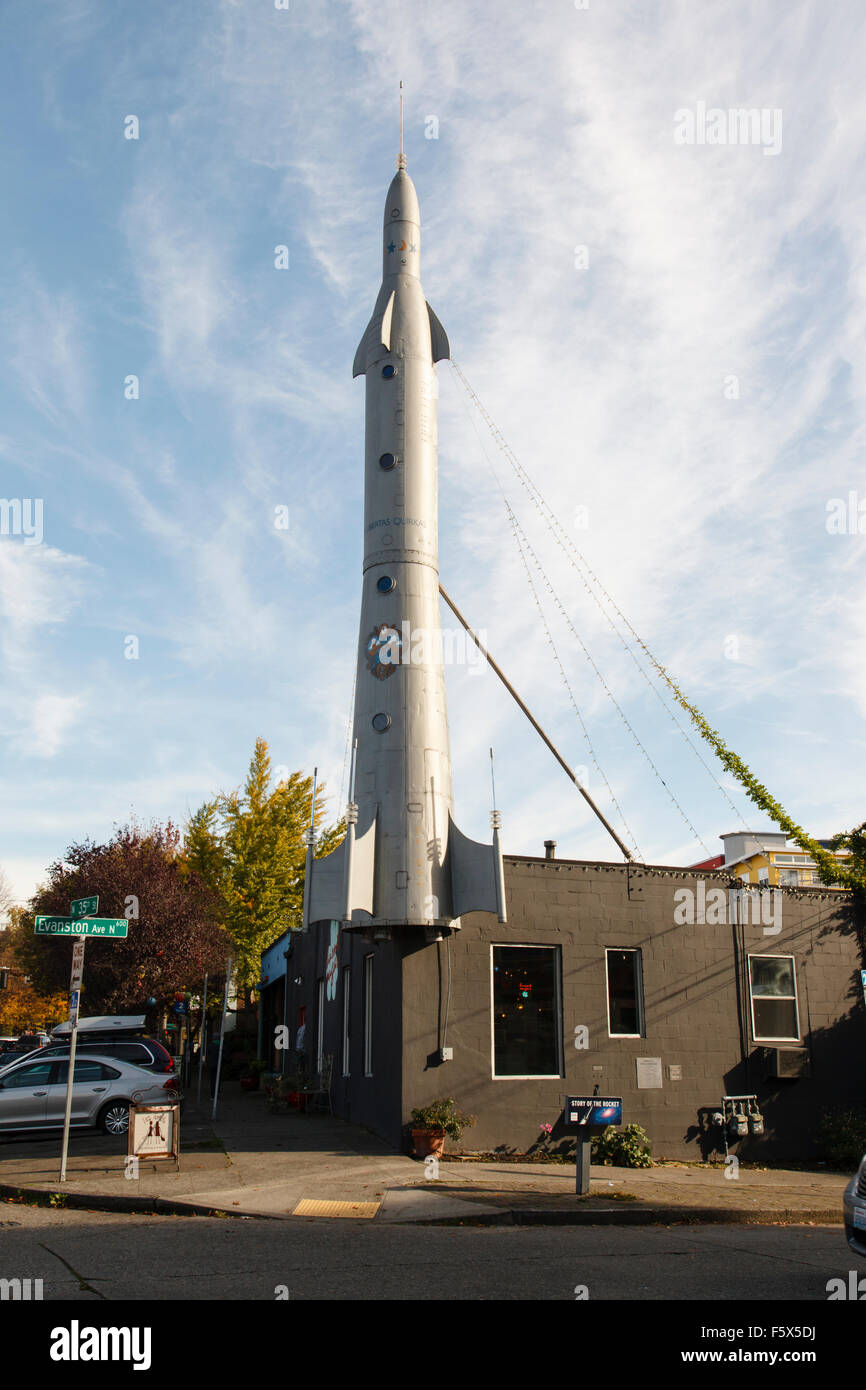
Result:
{"points": [[202, 1042], [70, 1080], [584, 1151], [216, 1089], [536, 726]]}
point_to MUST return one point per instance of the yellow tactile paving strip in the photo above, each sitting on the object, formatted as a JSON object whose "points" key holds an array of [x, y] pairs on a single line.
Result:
{"points": [[310, 1206]]}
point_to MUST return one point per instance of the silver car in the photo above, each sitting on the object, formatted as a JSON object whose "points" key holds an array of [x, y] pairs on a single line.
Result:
{"points": [[854, 1210], [33, 1093]]}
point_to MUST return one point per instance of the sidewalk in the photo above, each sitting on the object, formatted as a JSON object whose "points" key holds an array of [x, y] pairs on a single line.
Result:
{"points": [[253, 1163]]}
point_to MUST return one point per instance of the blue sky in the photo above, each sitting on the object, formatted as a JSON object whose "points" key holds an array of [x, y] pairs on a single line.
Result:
{"points": [[703, 507]]}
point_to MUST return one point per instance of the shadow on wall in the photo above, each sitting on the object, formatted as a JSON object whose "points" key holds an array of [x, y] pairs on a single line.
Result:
{"points": [[792, 1107]]}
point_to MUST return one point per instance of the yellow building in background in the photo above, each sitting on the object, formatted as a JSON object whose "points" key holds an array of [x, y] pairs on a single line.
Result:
{"points": [[773, 859]]}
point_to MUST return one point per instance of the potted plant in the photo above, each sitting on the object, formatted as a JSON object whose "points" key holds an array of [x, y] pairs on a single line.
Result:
{"points": [[250, 1076], [432, 1124], [282, 1091]]}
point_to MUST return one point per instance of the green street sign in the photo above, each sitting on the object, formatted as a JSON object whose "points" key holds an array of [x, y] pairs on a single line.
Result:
{"points": [[84, 907], [113, 927]]}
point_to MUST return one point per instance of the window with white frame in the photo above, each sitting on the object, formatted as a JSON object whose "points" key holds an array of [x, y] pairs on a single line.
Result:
{"points": [[773, 994], [368, 1015], [320, 1024], [527, 1011], [625, 1016], [347, 1014]]}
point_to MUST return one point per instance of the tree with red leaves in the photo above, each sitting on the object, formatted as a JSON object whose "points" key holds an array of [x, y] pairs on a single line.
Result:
{"points": [[174, 936]]}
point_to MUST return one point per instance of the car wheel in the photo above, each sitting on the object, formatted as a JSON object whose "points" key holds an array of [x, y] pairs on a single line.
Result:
{"points": [[114, 1118]]}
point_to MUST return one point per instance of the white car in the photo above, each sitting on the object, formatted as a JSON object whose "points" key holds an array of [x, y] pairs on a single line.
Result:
{"points": [[854, 1210], [33, 1093]]}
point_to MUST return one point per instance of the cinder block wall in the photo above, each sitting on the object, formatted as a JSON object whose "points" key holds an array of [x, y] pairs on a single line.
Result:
{"points": [[692, 1019]]}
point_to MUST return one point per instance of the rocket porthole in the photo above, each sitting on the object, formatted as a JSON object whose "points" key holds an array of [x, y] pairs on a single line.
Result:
{"points": [[389, 371], [381, 722], [386, 461], [386, 583], [395, 212]]}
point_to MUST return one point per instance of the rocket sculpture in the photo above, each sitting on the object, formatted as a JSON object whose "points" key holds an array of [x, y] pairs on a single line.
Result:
{"points": [[403, 862]]}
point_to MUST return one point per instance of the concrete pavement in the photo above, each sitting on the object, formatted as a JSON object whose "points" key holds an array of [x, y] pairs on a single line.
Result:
{"points": [[251, 1162]]}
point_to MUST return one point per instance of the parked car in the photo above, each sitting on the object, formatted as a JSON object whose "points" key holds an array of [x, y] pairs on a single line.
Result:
{"points": [[141, 1052], [854, 1210], [33, 1093], [19, 1048], [124, 1025]]}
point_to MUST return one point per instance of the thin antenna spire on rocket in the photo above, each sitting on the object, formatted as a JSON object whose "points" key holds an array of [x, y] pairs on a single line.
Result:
{"points": [[401, 158]]}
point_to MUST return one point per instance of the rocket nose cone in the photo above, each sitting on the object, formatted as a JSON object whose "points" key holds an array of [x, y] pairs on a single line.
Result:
{"points": [[401, 204]]}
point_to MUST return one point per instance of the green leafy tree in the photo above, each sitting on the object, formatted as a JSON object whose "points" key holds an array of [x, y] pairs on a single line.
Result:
{"points": [[851, 875], [248, 846]]}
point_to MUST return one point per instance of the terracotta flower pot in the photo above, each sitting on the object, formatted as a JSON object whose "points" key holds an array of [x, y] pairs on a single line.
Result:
{"points": [[428, 1141]]}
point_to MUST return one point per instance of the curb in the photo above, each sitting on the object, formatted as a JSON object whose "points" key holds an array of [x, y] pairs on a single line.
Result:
{"points": [[637, 1216], [498, 1216], [96, 1201]]}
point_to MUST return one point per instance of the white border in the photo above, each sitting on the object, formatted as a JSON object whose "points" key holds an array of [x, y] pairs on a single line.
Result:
{"points": [[765, 955], [368, 1013], [641, 1016], [347, 1006], [556, 948]]}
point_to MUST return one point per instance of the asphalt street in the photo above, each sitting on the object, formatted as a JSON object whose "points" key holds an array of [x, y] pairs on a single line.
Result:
{"points": [[99, 1257]]}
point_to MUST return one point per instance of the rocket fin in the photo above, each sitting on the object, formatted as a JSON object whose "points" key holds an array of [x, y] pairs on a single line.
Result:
{"points": [[359, 366], [476, 874], [329, 879], [438, 338], [385, 330]]}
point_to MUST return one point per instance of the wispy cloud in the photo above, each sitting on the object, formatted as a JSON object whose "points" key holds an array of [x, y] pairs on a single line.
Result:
{"points": [[687, 391]]}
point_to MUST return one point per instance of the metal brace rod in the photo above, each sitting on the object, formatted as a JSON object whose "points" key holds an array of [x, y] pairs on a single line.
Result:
{"points": [[536, 726]]}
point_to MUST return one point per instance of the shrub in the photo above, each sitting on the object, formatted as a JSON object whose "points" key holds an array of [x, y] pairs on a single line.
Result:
{"points": [[442, 1114], [842, 1136], [624, 1148]]}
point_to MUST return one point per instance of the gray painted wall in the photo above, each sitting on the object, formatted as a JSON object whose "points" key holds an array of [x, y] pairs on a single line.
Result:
{"points": [[696, 1011]]}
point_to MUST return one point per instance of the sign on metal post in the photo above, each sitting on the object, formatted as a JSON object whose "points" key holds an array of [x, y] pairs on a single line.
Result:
{"points": [[74, 997], [77, 966], [80, 924], [114, 927], [592, 1115], [593, 1110]]}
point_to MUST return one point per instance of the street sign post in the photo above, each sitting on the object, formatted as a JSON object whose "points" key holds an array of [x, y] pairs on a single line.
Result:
{"points": [[80, 924], [116, 927]]}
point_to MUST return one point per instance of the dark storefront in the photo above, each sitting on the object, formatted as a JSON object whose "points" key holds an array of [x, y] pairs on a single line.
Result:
{"points": [[600, 978]]}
